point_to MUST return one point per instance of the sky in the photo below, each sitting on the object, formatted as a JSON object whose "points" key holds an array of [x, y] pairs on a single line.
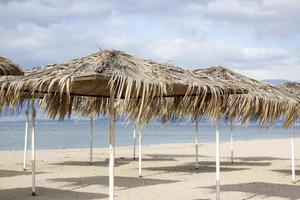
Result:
{"points": [[258, 38]]}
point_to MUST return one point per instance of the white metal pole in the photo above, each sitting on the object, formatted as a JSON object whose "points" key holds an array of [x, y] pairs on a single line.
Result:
{"points": [[112, 148], [140, 153], [26, 136], [218, 158], [231, 140], [293, 155], [33, 112], [134, 142], [91, 140], [196, 141]]}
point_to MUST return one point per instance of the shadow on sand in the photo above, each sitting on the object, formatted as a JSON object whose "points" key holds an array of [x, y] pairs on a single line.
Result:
{"points": [[263, 189], [259, 158], [174, 156], [236, 163], [286, 171], [149, 158], [190, 168], [12, 173], [47, 193], [118, 162], [120, 181]]}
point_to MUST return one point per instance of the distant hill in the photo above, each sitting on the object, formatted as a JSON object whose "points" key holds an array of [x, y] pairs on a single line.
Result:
{"points": [[275, 81]]}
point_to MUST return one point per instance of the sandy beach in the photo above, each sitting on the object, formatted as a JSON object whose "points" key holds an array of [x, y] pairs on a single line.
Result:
{"points": [[261, 171]]}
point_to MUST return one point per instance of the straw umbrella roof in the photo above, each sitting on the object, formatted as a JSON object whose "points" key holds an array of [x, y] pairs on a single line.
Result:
{"points": [[7, 67], [141, 84], [263, 101], [8, 70], [292, 87]]}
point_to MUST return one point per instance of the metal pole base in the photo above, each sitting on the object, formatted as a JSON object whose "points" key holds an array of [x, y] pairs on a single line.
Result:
{"points": [[33, 193]]}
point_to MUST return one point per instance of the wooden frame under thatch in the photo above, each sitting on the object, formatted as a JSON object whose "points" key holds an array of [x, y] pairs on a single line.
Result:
{"points": [[141, 86], [263, 102]]}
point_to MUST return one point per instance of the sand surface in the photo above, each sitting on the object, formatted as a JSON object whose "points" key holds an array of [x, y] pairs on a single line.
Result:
{"points": [[261, 171]]}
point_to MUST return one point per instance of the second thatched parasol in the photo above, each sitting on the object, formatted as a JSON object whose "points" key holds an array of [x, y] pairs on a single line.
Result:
{"points": [[293, 88]]}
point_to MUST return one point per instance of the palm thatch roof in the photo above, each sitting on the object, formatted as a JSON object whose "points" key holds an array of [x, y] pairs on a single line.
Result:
{"points": [[292, 87], [141, 86], [7, 67], [8, 70], [263, 102]]}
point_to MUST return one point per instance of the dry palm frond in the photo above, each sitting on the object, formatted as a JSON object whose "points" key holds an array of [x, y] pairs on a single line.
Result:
{"points": [[141, 87], [263, 102]]}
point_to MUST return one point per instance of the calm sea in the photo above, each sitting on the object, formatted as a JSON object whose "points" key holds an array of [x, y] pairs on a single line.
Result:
{"points": [[75, 134]]}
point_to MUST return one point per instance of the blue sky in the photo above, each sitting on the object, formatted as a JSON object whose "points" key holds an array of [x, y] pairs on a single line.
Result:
{"points": [[259, 38]]}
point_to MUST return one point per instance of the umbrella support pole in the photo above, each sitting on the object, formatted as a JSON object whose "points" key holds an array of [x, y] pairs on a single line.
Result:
{"points": [[134, 143], [112, 147], [140, 153], [26, 136], [196, 143], [231, 140], [33, 148], [218, 158], [91, 140], [293, 155]]}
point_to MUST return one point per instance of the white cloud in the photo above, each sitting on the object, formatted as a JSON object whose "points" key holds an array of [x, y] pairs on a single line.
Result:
{"points": [[259, 38]]}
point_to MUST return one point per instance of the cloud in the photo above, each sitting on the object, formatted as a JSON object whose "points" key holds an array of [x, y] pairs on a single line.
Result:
{"points": [[258, 38]]}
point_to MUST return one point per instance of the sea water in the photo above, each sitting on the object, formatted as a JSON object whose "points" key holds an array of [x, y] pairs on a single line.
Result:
{"points": [[75, 133]]}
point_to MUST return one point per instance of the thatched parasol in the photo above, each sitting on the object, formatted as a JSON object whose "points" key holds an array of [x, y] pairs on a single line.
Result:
{"points": [[8, 70], [11, 71], [140, 86], [263, 102], [293, 88], [7, 67]]}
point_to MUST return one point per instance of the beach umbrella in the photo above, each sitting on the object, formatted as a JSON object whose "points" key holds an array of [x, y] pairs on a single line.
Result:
{"points": [[7, 67], [8, 70], [293, 88], [117, 76], [262, 102]]}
